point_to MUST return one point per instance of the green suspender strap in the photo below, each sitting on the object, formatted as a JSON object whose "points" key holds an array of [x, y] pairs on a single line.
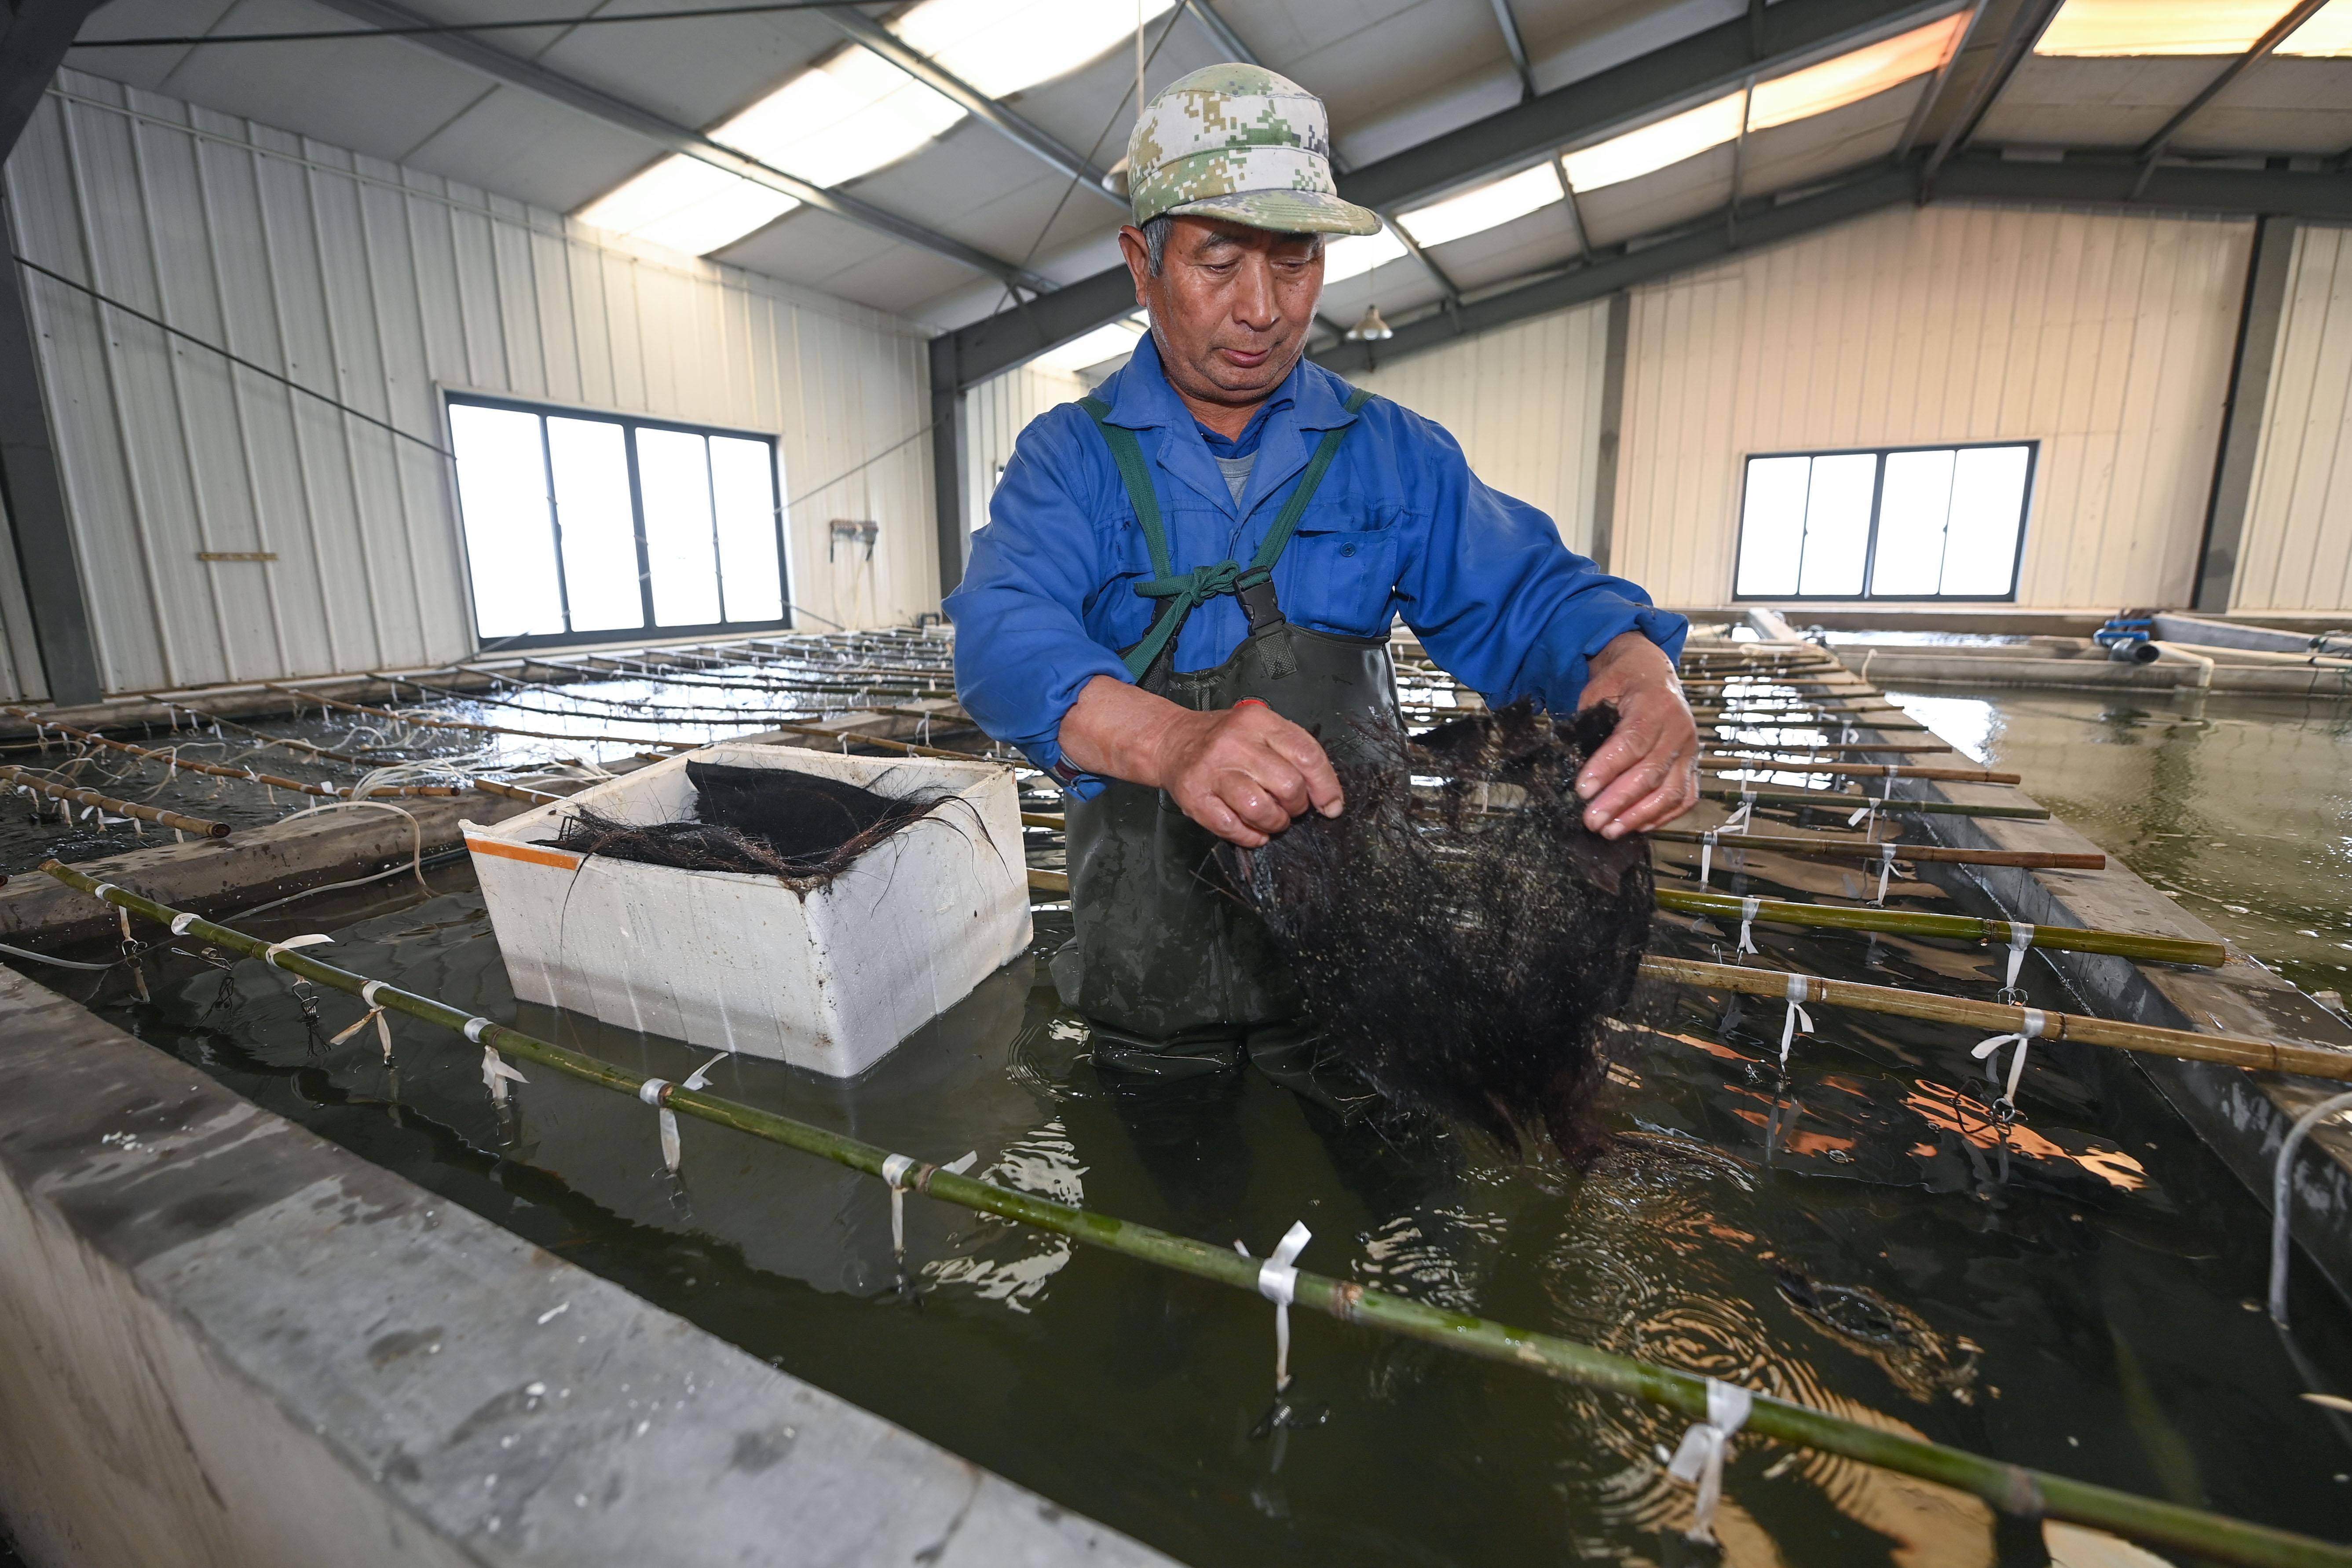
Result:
{"points": [[1188, 591]]}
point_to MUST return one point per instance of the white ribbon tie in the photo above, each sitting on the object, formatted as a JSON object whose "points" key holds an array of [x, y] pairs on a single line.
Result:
{"points": [[2029, 1029], [1704, 1449]]}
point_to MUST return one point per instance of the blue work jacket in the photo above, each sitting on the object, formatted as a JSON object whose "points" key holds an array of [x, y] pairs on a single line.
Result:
{"points": [[1400, 528]]}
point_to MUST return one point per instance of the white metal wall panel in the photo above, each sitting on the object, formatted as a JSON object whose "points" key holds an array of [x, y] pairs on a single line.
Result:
{"points": [[995, 413], [20, 657], [2105, 337], [1524, 404], [2296, 550], [381, 287]]}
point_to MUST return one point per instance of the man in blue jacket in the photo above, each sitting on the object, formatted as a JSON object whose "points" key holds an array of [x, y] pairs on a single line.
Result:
{"points": [[1190, 576]]}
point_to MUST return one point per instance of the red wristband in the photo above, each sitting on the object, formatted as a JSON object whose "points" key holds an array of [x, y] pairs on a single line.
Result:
{"points": [[1260, 701]]}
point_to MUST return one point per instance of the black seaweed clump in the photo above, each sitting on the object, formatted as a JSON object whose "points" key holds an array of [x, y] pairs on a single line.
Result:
{"points": [[1460, 936], [802, 828]]}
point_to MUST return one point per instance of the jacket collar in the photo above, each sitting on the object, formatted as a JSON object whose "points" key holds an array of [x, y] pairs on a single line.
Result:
{"points": [[1141, 399]]}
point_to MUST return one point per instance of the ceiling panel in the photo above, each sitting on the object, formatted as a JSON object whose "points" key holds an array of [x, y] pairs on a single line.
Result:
{"points": [[2278, 106], [1540, 238], [521, 145]]}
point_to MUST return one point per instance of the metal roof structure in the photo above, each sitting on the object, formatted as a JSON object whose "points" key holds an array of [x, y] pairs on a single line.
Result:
{"points": [[995, 229]]}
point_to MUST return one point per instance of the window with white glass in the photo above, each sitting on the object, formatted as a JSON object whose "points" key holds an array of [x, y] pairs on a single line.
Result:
{"points": [[1899, 522], [583, 528]]}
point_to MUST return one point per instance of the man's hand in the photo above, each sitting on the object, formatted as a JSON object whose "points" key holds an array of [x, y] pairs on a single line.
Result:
{"points": [[1243, 772], [1648, 773]]}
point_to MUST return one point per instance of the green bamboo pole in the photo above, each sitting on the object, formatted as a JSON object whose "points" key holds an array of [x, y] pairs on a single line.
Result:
{"points": [[201, 826], [1716, 745], [2234, 1050], [2012, 1488], [1799, 719], [1967, 927], [1718, 764], [1825, 797], [1864, 849]]}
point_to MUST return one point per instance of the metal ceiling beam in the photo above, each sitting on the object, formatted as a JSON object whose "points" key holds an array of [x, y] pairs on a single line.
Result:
{"points": [[1509, 21], [2229, 192], [1221, 31], [2154, 147], [598, 104], [1935, 88], [2026, 25], [34, 38], [1794, 33], [864, 29]]}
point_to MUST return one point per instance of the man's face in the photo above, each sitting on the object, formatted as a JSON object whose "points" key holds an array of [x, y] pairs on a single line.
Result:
{"points": [[1231, 307]]}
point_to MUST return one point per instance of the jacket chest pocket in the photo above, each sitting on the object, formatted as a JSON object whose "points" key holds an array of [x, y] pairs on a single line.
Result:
{"points": [[1339, 571]]}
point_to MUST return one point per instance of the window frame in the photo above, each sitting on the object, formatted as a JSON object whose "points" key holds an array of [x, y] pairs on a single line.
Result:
{"points": [[650, 630], [1869, 541]]}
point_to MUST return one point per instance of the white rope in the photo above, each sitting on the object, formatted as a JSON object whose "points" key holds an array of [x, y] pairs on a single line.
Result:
{"points": [[1799, 987], [671, 1147], [895, 1171], [1737, 821], [496, 1074], [1886, 869], [1706, 857], [1704, 1449], [1747, 912], [1277, 1281], [2282, 1195], [1867, 817], [269, 954], [2028, 1030], [2021, 937]]}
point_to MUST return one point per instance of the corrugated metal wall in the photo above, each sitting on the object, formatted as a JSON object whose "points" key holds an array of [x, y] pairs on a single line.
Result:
{"points": [[1524, 402], [380, 286], [2296, 551], [20, 660], [995, 413], [2107, 339]]}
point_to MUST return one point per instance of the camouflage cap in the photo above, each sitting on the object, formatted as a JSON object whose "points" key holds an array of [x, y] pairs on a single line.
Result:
{"points": [[1238, 141]]}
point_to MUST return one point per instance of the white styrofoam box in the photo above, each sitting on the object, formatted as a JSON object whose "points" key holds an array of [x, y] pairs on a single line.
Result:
{"points": [[830, 981]]}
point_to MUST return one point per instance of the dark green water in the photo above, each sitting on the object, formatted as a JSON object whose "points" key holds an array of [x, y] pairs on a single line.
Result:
{"points": [[2076, 1292], [2240, 809]]}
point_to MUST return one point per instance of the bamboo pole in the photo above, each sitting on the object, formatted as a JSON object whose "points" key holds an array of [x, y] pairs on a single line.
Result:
{"points": [[2012, 1488], [217, 770], [1863, 849], [198, 825], [464, 724], [284, 743], [1055, 882], [1796, 763], [1826, 797], [1716, 745], [2234, 1050], [1866, 770], [1967, 927], [1798, 719], [909, 747]]}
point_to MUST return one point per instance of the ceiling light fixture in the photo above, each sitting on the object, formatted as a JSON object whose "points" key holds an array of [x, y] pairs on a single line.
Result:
{"points": [[1371, 329]]}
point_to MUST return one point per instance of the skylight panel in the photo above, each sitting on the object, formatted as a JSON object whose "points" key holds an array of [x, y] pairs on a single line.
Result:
{"points": [[2097, 28], [1004, 46], [1849, 78], [2328, 33], [687, 205], [1513, 196], [1656, 145], [1854, 75], [1353, 255], [829, 124], [848, 116]]}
